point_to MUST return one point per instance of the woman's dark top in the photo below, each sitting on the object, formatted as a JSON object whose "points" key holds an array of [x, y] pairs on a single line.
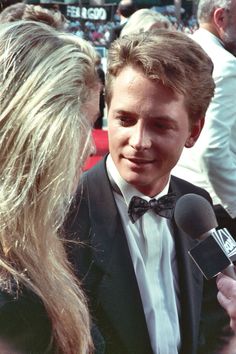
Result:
{"points": [[24, 324]]}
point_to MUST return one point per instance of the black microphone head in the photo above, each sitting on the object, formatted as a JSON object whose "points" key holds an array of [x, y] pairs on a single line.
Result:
{"points": [[194, 215]]}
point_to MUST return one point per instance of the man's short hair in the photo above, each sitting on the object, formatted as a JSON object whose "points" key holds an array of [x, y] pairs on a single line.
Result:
{"points": [[206, 9], [169, 57]]}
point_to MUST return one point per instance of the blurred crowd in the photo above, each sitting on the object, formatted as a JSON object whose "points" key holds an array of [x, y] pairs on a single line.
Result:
{"points": [[99, 32]]}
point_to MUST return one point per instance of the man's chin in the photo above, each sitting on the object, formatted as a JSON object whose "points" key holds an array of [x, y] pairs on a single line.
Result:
{"points": [[230, 46], [135, 179]]}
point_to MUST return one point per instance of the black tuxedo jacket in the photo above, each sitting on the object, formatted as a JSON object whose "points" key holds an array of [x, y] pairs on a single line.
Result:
{"points": [[103, 263]]}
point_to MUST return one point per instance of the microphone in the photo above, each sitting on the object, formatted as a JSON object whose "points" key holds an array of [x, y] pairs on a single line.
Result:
{"points": [[195, 216]]}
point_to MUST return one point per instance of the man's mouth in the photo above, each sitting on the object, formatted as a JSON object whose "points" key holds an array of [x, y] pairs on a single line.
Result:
{"points": [[139, 161]]}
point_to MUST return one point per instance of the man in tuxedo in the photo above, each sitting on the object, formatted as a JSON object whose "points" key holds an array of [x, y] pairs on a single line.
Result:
{"points": [[144, 291]]}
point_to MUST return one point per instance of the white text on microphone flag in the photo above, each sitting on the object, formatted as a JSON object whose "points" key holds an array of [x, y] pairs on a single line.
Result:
{"points": [[225, 240]]}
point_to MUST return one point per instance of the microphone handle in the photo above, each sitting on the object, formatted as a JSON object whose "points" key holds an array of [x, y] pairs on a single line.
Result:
{"points": [[230, 271]]}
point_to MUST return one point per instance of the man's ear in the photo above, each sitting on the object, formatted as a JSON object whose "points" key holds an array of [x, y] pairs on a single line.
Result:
{"points": [[195, 131], [220, 17]]}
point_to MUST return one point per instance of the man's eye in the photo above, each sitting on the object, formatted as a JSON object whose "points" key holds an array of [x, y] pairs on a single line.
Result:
{"points": [[162, 126], [126, 121]]}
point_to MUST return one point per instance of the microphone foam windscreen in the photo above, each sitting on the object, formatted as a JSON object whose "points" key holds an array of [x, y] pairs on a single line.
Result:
{"points": [[194, 215]]}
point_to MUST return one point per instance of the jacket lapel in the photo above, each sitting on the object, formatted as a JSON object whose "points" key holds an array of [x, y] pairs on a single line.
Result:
{"points": [[118, 285]]}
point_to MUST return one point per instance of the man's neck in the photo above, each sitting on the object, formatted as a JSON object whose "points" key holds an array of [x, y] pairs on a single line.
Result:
{"points": [[211, 28]]}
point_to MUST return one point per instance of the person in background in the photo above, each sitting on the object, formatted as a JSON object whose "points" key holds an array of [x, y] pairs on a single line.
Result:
{"points": [[49, 99], [125, 9], [145, 293], [211, 163], [99, 134], [101, 74], [145, 20]]}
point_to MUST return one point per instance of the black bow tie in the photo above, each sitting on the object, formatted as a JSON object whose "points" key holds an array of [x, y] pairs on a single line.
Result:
{"points": [[163, 206]]}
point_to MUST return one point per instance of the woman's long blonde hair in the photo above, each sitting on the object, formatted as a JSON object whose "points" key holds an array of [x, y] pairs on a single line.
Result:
{"points": [[45, 79]]}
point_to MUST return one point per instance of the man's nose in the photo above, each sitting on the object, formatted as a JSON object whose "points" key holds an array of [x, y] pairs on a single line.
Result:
{"points": [[140, 137]]}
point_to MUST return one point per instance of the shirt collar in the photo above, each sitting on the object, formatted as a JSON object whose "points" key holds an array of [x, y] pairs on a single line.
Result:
{"points": [[128, 190], [211, 35]]}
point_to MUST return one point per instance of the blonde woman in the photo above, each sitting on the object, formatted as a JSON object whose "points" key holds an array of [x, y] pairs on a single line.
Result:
{"points": [[49, 99]]}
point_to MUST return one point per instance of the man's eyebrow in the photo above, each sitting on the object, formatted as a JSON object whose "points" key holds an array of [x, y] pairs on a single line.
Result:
{"points": [[166, 118], [124, 112], [132, 114]]}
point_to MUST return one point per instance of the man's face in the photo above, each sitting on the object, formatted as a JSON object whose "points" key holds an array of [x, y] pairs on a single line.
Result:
{"points": [[148, 127], [229, 35]]}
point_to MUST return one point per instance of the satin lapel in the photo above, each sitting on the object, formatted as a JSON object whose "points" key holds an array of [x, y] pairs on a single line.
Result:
{"points": [[118, 291], [190, 280]]}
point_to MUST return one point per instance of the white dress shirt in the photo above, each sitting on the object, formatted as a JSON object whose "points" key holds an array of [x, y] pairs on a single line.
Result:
{"points": [[153, 254], [211, 162]]}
